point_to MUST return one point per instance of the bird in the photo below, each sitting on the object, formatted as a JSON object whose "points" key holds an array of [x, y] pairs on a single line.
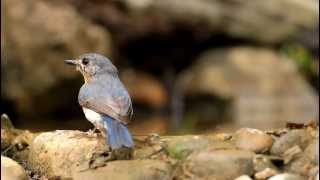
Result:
{"points": [[104, 99]]}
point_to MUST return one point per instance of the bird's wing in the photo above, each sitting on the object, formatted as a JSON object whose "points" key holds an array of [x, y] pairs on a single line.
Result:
{"points": [[116, 106]]}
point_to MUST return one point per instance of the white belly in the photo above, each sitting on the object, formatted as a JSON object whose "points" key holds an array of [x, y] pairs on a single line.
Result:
{"points": [[92, 116]]}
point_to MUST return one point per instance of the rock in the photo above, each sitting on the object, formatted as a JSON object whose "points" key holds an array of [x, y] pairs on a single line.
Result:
{"points": [[145, 89], [262, 162], [295, 137], [15, 141], [59, 153], [312, 151], [291, 153], [203, 17], [7, 135], [6, 122], [313, 172], [301, 164], [219, 164], [252, 140], [256, 91], [266, 173], [286, 176], [317, 177], [33, 65], [180, 147], [243, 177], [130, 170], [11, 170]]}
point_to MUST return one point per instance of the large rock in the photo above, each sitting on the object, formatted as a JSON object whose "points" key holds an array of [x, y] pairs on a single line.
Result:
{"points": [[37, 37], [265, 88], [11, 170], [59, 153], [217, 164], [240, 18]]}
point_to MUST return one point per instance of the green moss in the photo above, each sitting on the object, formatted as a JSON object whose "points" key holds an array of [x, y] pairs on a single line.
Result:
{"points": [[301, 56]]}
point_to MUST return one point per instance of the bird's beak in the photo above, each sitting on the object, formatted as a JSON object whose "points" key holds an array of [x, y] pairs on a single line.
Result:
{"points": [[71, 62]]}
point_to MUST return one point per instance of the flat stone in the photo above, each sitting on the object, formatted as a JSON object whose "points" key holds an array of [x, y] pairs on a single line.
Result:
{"points": [[252, 140]]}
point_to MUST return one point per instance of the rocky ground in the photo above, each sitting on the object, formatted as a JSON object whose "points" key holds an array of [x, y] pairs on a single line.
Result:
{"points": [[282, 154]]}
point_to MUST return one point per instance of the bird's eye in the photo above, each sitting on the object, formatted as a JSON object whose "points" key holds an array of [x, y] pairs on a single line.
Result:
{"points": [[85, 61]]}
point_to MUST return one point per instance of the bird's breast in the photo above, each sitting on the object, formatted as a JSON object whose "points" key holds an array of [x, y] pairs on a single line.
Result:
{"points": [[92, 116]]}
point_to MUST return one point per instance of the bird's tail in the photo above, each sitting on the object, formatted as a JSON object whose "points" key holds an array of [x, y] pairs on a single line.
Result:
{"points": [[118, 134]]}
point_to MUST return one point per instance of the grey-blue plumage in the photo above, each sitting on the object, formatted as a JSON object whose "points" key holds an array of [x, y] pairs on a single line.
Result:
{"points": [[118, 134], [104, 99]]}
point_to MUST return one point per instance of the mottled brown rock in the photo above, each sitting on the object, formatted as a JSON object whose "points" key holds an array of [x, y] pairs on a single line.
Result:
{"points": [[58, 153]]}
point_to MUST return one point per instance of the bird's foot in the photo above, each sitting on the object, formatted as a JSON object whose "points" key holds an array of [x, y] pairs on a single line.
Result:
{"points": [[91, 133]]}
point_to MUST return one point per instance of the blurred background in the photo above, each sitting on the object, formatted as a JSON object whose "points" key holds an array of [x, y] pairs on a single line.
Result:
{"points": [[190, 66]]}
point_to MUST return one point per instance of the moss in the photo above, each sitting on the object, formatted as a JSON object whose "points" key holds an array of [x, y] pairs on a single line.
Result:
{"points": [[301, 56]]}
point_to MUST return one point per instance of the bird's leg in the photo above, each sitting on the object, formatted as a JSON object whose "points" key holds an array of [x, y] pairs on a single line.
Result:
{"points": [[101, 129]]}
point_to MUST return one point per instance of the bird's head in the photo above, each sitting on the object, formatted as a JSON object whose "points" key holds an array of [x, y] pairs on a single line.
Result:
{"points": [[93, 64]]}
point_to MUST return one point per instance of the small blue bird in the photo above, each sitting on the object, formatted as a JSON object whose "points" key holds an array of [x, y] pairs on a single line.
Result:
{"points": [[104, 99]]}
